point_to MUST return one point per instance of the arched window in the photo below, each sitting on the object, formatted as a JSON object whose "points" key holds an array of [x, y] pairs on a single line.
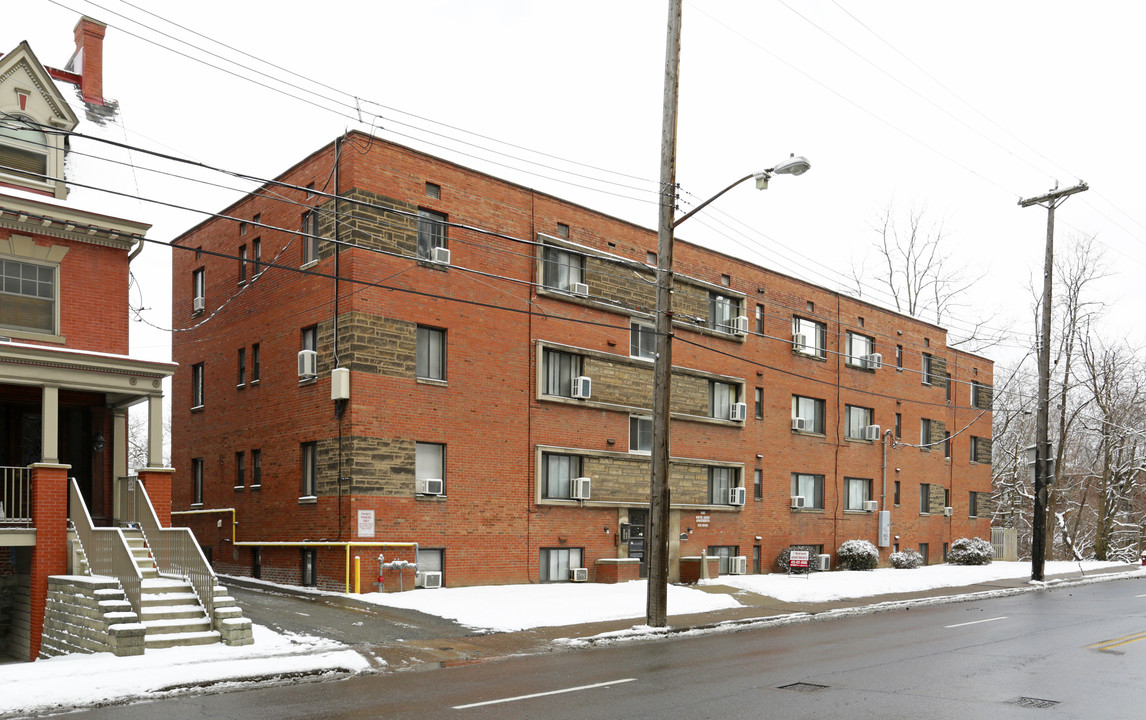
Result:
{"points": [[24, 149]]}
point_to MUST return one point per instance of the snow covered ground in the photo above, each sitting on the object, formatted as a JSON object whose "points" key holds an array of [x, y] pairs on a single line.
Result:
{"points": [[83, 680]]}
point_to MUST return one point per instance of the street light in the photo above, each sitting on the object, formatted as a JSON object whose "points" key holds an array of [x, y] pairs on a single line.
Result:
{"points": [[656, 608]]}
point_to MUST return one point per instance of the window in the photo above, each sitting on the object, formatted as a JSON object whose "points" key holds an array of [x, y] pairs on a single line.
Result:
{"points": [[924, 499], [309, 452], [973, 504], [432, 561], [642, 340], [809, 337], [857, 419], [722, 312], [198, 290], [760, 403], [810, 487], [980, 450], [557, 471], [255, 364], [561, 268], [243, 264], [556, 562], [923, 551], [946, 497], [720, 481], [431, 232], [980, 396], [430, 462], [758, 484], [640, 434], [944, 552], [309, 567], [925, 433], [898, 357], [256, 468], [898, 426], [197, 481], [257, 563], [197, 385], [257, 254], [724, 553], [946, 445], [896, 493], [927, 375], [859, 346], [431, 355], [759, 319], [560, 369], [811, 411], [650, 257], [25, 150], [309, 338], [857, 491], [242, 367], [434, 191], [240, 470], [309, 237], [721, 396], [27, 296]]}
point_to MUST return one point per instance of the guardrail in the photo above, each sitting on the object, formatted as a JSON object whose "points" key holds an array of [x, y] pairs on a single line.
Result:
{"points": [[15, 497], [176, 551], [106, 549]]}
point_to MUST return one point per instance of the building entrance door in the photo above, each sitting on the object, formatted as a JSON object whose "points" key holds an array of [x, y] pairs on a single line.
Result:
{"points": [[638, 527]]}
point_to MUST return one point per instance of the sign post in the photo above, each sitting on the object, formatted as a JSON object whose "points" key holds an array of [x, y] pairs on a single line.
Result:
{"points": [[798, 561]]}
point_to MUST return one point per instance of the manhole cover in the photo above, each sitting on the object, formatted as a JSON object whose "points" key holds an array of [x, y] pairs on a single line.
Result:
{"points": [[803, 687], [1034, 702]]}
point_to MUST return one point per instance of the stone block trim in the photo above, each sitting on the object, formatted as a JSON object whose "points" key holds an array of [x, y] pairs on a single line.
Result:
{"points": [[985, 396], [370, 224], [939, 372], [935, 499], [371, 344], [622, 478], [606, 280], [983, 449], [381, 467], [938, 429], [88, 615]]}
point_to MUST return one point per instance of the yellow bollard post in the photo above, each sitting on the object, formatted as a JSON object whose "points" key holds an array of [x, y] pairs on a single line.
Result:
{"points": [[357, 575]]}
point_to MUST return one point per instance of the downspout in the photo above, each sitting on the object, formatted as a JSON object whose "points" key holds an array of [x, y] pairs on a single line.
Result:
{"points": [[340, 405], [135, 250], [883, 487]]}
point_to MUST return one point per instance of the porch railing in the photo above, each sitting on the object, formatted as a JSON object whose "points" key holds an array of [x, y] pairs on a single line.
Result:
{"points": [[106, 549], [176, 551], [15, 497]]}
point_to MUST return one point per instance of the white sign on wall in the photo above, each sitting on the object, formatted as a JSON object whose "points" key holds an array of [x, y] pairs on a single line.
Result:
{"points": [[366, 523]]}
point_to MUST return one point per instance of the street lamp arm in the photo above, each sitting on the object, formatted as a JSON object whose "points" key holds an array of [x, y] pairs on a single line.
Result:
{"points": [[704, 204]]}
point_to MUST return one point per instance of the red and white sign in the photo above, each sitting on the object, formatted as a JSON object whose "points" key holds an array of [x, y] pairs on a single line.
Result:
{"points": [[798, 559]]}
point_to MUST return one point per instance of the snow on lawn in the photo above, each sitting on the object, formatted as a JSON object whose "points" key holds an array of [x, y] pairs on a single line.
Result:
{"points": [[838, 585], [85, 680], [520, 607]]}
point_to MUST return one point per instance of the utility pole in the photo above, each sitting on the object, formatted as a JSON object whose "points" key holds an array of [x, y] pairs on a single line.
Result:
{"points": [[1050, 201], [656, 608]]}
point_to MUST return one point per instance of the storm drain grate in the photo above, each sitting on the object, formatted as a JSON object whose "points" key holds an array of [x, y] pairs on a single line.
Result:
{"points": [[1030, 702], [803, 687]]}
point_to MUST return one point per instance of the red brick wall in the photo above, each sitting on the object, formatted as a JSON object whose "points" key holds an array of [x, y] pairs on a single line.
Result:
{"points": [[489, 417]]}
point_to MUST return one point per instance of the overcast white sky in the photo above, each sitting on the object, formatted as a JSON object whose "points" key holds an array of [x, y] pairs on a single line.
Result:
{"points": [[960, 108]]}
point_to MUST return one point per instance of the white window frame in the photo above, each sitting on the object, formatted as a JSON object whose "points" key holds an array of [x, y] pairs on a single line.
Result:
{"points": [[857, 347], [198, 287], [13, 286], [721, 397], [640, 428], [857, 491], [559, 369], [557, 472], [810, 409], [310, 237], [308, 457], [927, 374], [197, 481], [430, 462], [722, 312], [561, 268], [432, 232], [198, 385], [642, 340], [22, 134], [720, 481], [811, 487], [554, 563], [430, 355], [856, 419], [815, 334]]}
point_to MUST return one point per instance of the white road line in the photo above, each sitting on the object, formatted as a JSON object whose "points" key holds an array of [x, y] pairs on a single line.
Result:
{"points": [[543, 694], [1142, 595], [976, 622]]}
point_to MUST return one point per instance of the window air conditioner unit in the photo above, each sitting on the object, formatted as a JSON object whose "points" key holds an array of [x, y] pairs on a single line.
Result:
{"points": [[799, 423], [737, 495], [738, 565], [870, 505], [872, 362], [800, 345], [739, 411], [579, 488], [824, 562], [798, 501], [307, 363], [428, 486], [440, 255], [871, 432], [579, 289], [740, 325], [428, 579], [199, 304], [579, 574], [948, 511], [582, 387]]}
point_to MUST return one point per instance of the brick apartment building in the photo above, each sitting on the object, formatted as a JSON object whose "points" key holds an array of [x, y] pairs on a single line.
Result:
{"points": [[467, 423]]}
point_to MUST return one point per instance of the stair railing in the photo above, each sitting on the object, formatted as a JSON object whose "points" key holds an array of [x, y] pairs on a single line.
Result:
{"points": [[106, 548], [176, 551]]}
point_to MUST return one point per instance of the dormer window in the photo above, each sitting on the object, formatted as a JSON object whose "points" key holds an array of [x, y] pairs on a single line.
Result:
{"points": [[23, 150]]}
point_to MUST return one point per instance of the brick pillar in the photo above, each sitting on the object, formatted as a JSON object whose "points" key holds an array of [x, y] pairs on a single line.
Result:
{"points": [[157, 481], [50, 555], [89, 47]]}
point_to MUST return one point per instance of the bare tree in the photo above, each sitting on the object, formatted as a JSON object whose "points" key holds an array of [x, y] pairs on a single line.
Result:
{"points": [[137, 441]]}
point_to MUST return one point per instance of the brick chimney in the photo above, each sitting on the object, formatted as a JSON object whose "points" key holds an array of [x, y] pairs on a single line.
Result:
{"points": [[87, 62]]}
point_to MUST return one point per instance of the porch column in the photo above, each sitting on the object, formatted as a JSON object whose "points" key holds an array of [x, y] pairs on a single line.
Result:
{"points": [[50, 555], [155, 431], [50, 426], [119, 463]]}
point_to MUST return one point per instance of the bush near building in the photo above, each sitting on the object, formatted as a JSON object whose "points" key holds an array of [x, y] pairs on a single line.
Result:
{"points": [[857, 555], [908, 559], [970, 551]]}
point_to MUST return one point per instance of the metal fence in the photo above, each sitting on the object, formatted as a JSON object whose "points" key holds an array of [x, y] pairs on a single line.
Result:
{"points": [[15, 497], [106, 549], [1005, 542], [176, 551]]}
